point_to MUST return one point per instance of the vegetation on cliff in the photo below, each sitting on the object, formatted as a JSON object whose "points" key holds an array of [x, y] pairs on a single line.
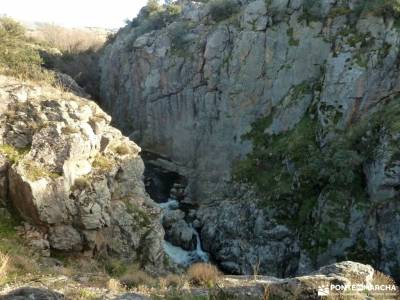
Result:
{"points": [[39, 55], [293, 169], [19, 55]]}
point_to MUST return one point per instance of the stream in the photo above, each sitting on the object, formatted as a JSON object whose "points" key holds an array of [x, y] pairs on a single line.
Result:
{"points": [[178, 255]]}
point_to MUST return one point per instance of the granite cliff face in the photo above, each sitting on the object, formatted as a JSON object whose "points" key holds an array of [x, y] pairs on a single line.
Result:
{"points": [[75, 179], [282, 115]]}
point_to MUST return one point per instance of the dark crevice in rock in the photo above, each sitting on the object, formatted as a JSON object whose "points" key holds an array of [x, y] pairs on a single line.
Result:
{"points": [[160, 181]]}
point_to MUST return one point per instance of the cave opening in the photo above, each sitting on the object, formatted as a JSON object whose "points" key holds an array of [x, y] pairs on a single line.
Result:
{"points": [[161, 182]]}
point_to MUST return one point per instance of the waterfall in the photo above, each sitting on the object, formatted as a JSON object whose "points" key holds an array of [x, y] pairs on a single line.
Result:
{"points": [[178, 255]]}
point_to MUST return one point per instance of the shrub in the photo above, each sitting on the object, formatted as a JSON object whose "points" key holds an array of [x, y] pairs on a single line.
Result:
{"points": [[203, 274], [81, 294], [78, 53], [223, 9], [311, 11], [380, 278], [383, 279], [122, 149], [14, 265], [102, 163], [80, 184], [19, 57], [173, 9], [178, 34], [69, 40], [128, 275], [173, 280], [153, 6], [381, 7], [115, 267], [23, 264], [13, 154], [11, 27], [114, 285], [35, 171], [134, 277]]}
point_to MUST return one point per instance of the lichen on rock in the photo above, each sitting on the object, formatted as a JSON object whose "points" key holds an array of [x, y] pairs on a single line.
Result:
{"points": [[73, 176]]}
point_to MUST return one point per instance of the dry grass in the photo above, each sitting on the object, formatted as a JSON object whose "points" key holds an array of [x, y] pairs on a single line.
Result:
{"points": [[102, 163], [4, 264], [19, 56], [134, 278], [23, 264], [80, 184], [35, 172], [380, 278], [173, 280], [13, 266], [80, 294], [78, 54], [68, 130], [383, 279], [203, 274], [122, 149], [69, 40], [114, 285]]}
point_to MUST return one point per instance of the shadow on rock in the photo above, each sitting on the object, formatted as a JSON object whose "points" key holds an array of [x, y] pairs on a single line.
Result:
{"points": [[33, 294]]}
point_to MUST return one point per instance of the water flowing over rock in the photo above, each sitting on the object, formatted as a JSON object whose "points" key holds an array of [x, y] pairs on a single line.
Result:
{"points": [[73, 177], [182, 242]]}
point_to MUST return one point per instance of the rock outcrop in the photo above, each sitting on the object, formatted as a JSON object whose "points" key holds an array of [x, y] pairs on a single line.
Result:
{"points": [[345, 280], [75, 179], [178, 231], [312, 85]]}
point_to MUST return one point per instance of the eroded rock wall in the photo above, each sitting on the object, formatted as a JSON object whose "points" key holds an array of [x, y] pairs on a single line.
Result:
{"points": [[73, 177], [281, 72]]}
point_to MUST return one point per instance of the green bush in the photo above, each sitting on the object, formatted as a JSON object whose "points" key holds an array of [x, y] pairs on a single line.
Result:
{"points": [[12, 28], [178, 34], [311, 11], [154, 17], [291, 170], [223, 9], [19, 57], [153, 6], [381, 7], [83, 67]]}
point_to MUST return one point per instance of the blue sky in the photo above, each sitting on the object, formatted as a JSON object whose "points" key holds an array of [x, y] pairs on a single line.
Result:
{"points": [[73, 13]]}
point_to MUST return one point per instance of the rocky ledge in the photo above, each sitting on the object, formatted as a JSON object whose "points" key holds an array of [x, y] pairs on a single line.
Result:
{"points": [[75, 180], [345, 280]]}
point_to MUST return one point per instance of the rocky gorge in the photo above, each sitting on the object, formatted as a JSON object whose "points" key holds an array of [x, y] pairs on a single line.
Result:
{"points": [[283, 118], [259, 136]]}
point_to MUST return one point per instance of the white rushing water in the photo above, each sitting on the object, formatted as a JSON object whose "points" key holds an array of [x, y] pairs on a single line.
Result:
{"points": [[178, 255]]}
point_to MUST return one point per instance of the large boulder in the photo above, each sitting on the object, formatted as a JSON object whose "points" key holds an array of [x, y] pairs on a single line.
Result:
{"points": [[345, 279], [178, 231], [250, 242], [74, 177]]}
